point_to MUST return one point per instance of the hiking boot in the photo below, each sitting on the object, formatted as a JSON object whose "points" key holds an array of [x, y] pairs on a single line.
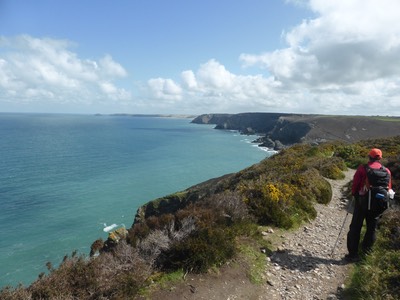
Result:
{"points": [[351, 258]]}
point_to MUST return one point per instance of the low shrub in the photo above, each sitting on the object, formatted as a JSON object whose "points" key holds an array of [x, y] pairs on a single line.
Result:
{"points": [[18, 293], [74, 278], [317, 188], [352, 154], [228, 204], [389, 230], [332, 168], [207, 247]]}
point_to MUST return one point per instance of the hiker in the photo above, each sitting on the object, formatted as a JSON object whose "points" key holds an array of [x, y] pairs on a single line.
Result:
{"points": [[366, 206]]}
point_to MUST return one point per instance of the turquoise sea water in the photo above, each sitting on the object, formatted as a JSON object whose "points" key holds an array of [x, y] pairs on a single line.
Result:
{"points": [[64, 177]]}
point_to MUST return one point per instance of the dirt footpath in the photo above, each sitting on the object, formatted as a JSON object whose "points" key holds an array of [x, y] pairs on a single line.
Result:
{"points": [[301, 267]]}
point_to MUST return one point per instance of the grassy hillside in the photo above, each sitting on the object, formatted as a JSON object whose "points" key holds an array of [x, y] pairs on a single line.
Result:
{"points": [[206, 225]]}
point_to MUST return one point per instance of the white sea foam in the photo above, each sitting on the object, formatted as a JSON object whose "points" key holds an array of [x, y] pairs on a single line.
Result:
{"points": [[109, 228], [266, 149]]}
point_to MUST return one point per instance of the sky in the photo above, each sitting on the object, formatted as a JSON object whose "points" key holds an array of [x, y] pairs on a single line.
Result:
{"points": [[194, 57]]}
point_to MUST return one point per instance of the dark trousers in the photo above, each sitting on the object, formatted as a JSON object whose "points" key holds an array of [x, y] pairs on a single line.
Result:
{"points": [[360, 213]]}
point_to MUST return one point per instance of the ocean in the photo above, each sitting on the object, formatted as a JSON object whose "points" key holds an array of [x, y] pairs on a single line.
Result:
{"points": [[64, 178]]}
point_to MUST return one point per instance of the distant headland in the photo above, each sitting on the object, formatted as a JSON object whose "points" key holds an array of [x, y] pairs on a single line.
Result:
{"points": [[278, 130]]}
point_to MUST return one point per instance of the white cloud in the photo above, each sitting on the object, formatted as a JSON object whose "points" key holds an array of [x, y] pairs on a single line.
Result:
{"points": [[346, 56], [189, 80], [43, 69], [165, 89], [213, 74], [111, 68]]}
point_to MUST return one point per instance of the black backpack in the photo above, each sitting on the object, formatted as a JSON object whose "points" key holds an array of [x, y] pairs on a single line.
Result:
{"points": [[378, 186]]}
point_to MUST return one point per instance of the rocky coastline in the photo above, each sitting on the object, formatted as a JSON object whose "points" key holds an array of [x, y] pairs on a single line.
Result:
{"points": [[279, 130]]}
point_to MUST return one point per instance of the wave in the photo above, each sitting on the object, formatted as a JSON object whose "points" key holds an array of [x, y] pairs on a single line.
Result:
{"points": [[109, 228]]}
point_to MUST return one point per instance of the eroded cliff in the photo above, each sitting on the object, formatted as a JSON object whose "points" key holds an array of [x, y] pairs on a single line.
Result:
{"points": [[279, 129]]}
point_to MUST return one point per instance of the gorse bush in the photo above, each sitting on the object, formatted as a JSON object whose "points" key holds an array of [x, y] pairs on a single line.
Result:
{"points": [[287, 186], [273, 204]]}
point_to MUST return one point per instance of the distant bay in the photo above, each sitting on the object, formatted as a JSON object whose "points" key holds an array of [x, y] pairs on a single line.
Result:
{"points": [[65, 177]]}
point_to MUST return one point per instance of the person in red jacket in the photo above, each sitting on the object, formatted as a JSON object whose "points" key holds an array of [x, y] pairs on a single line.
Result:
{"points": [[362, 209]]}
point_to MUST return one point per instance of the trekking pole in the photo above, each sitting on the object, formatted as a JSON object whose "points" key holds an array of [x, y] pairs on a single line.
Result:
{"points": [[341, 229]]}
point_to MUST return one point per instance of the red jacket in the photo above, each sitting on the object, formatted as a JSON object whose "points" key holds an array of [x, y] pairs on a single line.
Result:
{"points": [[360, 178]]}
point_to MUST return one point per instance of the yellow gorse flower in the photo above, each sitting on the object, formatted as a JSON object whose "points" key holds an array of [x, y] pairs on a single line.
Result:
{"points": [[278, 191]]}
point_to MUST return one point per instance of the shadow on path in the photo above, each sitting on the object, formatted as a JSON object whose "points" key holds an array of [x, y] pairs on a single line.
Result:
{"points": [[304, 262]]}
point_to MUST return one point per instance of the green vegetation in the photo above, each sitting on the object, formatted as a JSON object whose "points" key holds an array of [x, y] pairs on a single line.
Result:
{"points": [[387, 119], [206, 226], [378, 275], [255, 260]]}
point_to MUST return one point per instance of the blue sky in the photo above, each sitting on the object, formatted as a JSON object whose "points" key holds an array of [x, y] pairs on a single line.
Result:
{"points": [[193, 57]]}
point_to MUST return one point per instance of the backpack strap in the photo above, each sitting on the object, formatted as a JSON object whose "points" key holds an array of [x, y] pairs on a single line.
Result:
{"points": [[367, 168]]}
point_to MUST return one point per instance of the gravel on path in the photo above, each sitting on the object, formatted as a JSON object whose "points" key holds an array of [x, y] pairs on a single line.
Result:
{"points": [[303, 267]]}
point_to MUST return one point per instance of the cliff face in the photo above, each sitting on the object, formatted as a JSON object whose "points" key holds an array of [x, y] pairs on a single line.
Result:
{"points": [[212, 119], [286, 129], [246, 123], [170, 204]]}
